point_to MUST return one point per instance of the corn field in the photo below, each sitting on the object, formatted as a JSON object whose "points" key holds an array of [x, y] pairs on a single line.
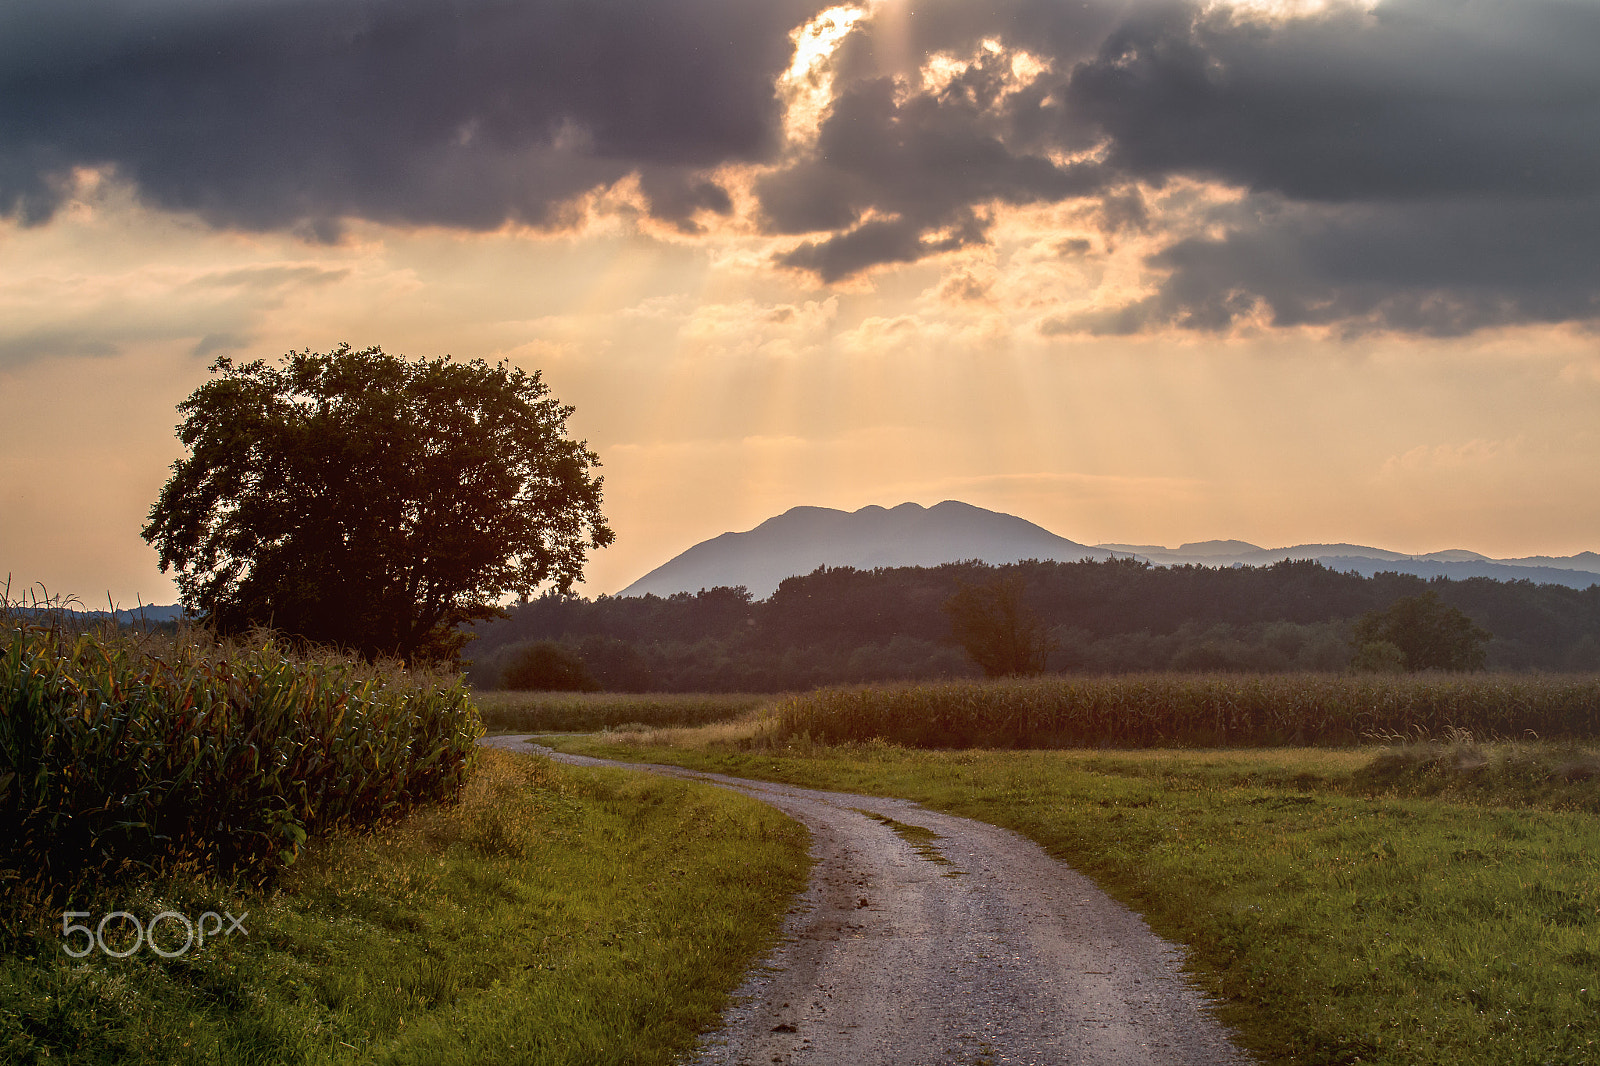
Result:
{"points": [[585, 712], [1197, 711], [114, 755]]}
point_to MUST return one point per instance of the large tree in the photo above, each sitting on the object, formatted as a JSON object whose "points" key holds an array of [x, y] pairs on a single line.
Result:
{"points": [[373, 502], [998, 630], [1420, 633]]}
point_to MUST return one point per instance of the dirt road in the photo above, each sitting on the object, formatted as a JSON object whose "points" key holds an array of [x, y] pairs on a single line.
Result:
{"points": [[923, 938]]}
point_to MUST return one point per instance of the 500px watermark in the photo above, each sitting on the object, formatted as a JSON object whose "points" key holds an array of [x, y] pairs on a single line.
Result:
{"points": [[195, 933]]}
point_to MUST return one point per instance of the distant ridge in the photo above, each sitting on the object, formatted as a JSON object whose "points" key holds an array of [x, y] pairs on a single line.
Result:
{"points": [[151, 613], [804, 538], [1576, 571]]}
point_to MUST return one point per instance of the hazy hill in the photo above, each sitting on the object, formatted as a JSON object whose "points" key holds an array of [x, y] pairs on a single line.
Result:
{"points": [[150, 614], [804, 538], [1576, 571], [1589, 561]]}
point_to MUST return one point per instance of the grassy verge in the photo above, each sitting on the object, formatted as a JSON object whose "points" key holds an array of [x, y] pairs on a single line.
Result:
{"points": [[583, 712], [555, 915], [1345, 906]]}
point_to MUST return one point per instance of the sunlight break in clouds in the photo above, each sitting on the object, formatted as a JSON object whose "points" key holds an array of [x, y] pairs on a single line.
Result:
{"points": [[806, 88], [1285, 9]]}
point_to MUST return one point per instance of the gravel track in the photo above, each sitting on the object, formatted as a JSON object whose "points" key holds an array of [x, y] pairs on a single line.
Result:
{"points": [[967, 946]]}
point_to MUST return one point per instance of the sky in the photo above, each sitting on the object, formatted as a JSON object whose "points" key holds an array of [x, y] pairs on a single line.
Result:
{"points": [[1146, 272]]}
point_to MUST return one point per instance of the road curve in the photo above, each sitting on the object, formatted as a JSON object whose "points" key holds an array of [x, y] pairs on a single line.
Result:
{"points": [[923, 938]]}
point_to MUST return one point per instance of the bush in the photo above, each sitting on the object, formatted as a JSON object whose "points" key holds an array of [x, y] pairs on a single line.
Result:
{"points": [[1379, 657]]}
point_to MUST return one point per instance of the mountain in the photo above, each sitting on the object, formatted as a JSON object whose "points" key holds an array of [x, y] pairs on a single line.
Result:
{"points": [[150, 613], [1458, 570], [804, 538], [1582, 561], [1577, 571]]}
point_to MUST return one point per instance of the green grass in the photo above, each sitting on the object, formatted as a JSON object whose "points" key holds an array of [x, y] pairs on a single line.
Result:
{"points": [[583, 712], [556, 915], [1432, 904]]}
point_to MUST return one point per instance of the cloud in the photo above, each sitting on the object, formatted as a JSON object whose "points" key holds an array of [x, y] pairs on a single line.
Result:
{"points": [[1438, 268], [151, 285], [30, 345], [1423, 166], [1426, 167], [1471, 455], [903, 169], [1416, 99], [750, 328], [273, 114]]}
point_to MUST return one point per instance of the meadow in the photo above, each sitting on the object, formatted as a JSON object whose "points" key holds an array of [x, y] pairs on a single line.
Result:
{"points": [[1427, 901]]}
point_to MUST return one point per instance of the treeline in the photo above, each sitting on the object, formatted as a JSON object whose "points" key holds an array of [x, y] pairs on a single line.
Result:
{"points": [[842, 625]]}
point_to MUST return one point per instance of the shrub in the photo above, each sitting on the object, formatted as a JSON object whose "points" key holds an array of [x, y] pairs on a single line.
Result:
{"points": [[1379, 657]]}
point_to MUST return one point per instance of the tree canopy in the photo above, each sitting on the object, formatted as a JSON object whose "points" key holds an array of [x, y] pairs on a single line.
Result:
{"points": [[1420, 633], [998, 630], [373, 502], [839, 626]]}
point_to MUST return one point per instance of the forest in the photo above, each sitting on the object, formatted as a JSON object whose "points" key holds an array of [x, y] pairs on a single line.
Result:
{"points": [[842, 625]]}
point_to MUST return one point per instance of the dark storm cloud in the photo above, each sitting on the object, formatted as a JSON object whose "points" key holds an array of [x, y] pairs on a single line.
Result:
{"points": [[281, 113], [900, 173], [1421, 98], [1429, 167], [675, 196], [927, 161], [1432, 165], [1442, 269]]}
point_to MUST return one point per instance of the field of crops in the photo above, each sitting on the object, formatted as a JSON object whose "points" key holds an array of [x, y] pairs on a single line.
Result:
{"points": [[1165, 710], [587, 712], [120, 752]]}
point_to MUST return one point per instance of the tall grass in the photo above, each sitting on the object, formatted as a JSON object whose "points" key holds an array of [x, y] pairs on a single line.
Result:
{"points": [[121, 751], [1165, 710]]}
